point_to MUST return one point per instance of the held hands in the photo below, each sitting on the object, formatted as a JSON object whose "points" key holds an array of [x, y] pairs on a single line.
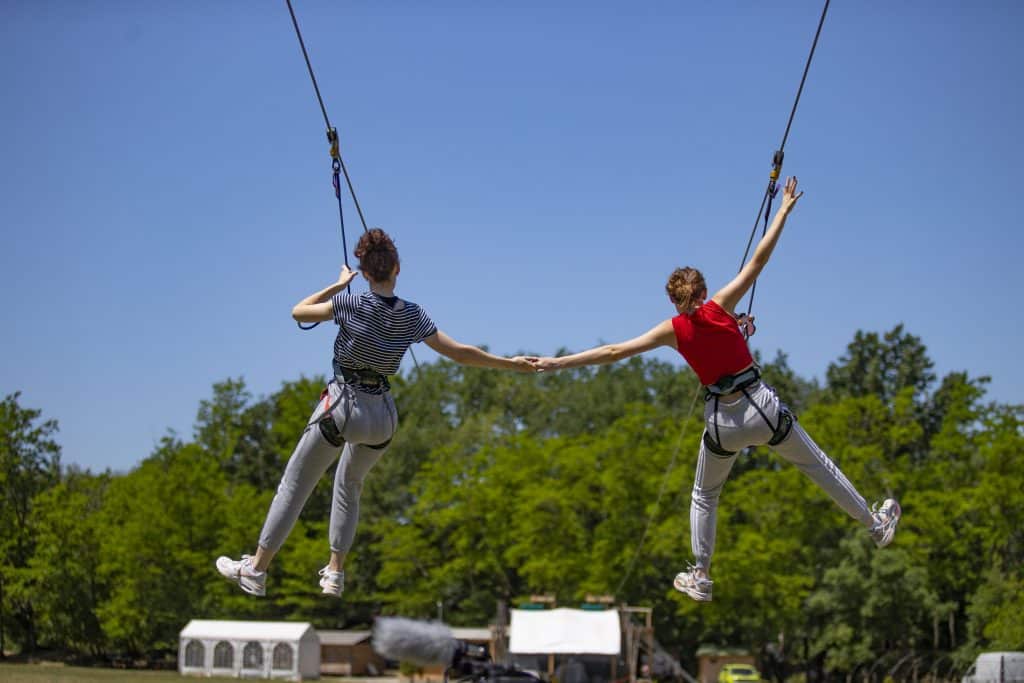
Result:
{"points": [[534, 363], [522, 364], [790, 195], [543, 363]]}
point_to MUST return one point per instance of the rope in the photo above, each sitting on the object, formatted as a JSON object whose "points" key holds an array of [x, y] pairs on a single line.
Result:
{"points": [[309, 65], [772, 189], [766, 206], [337, 163], [661, 491]]}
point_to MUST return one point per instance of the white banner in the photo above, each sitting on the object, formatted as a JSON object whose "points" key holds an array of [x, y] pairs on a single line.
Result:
{"points": [[565, 631]]}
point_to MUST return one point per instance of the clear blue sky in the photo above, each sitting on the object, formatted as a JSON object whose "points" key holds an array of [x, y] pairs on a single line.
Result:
{"points": [[165, 188]]}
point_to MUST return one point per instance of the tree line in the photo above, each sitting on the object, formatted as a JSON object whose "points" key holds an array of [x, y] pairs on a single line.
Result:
{"points": [[498, 486]]}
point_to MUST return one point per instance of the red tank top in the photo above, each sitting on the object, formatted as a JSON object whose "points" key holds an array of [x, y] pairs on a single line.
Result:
{"points": [[711, 342]]}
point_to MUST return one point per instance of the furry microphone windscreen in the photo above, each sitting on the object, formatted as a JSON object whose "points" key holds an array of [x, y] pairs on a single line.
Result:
{"points": [[418, 642]]}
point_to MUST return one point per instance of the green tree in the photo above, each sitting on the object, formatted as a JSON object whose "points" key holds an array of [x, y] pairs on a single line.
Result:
{"points": [[61, 572], [869, 604], [881, 366], [159, 531], [29, 463]]}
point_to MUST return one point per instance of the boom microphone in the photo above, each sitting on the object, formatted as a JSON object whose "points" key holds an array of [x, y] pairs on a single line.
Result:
{"points": [[424, 643]]}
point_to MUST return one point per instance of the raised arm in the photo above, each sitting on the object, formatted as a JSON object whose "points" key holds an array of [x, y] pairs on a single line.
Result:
{"points": [[661, 334], [464, 354], [727, 297], [317, 307]]}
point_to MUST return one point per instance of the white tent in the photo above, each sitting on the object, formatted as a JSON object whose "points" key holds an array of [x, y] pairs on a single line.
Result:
{"points": [[565, 631], [253, 649]]}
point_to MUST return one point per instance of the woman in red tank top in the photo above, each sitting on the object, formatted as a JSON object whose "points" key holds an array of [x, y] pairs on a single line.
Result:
{"points": [[740, 410]]}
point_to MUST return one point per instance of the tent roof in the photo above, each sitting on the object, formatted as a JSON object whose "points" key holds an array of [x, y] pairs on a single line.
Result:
{"points": [[246, 630], [565, 631], [343, 637]]}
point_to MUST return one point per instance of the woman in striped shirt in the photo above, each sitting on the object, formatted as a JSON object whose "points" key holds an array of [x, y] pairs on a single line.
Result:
{"points": [[356, 415]]}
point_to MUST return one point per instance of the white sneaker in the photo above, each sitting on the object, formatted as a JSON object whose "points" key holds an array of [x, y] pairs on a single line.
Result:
{"points": [[887, 516], [697, 587], [242, 572], [332, 583]]}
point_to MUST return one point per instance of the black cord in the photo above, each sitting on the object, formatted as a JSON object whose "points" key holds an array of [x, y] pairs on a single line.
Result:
{"points": [[302, 44], [766, 201], [770, 190], [337, 163], [803, 79]]}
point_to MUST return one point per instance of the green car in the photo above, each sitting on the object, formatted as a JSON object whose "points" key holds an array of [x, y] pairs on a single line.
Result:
{"points": [[738, 673]]}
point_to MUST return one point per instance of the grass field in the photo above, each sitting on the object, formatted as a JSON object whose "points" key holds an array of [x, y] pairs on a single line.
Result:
{"points": [[51, 673], [46, 673]]}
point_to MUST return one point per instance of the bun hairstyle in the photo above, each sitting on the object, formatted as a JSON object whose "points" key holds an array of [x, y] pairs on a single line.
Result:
{"points": [[377, 255], [685, 287]]}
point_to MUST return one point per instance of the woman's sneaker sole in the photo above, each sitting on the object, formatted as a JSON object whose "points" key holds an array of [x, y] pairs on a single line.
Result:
{"points": [[235, 570], [683, 586]]}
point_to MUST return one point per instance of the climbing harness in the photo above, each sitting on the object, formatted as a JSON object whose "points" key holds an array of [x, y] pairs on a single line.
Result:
{"points": [[326, 424], [739, 383], [730, 384], [786, 418], [338, 167], [368, 379]]}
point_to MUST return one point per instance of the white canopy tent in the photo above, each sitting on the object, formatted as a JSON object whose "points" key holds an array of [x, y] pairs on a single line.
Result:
{"points": [[565, 631], [253, 649]]}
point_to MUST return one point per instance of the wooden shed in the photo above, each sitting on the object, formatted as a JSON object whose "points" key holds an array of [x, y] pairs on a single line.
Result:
{"points": [[348, 653]]}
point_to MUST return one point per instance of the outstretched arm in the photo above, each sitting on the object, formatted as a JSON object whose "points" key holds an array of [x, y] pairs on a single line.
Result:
{"points": [[464, 354], [727, 297], [317, 307], [659, 335]]}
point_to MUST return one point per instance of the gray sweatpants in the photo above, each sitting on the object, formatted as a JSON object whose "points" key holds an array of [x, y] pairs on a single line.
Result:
{"points": [[364, 420], [739, 424]]}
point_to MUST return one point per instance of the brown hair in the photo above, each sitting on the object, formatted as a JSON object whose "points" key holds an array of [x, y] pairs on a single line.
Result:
{"points": [[377, 255], [685, 286]]}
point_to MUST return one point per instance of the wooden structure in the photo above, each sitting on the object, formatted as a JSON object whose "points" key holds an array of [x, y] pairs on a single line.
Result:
{"points": [[637, 635], [348, 653]]}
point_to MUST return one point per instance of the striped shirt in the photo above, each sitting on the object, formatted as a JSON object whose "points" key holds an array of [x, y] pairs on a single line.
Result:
{"points": [[373, 335]]}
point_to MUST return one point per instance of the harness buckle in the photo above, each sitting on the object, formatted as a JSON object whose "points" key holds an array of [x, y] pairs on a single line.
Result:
{"points": [[332, 137]]}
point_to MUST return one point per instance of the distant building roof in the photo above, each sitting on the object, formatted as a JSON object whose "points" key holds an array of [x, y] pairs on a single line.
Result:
{"points": [[472, 633], [247, 630], [343, 637]]}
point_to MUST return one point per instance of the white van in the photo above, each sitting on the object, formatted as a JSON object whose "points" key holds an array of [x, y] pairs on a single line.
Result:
{"points": [[996, 667]]}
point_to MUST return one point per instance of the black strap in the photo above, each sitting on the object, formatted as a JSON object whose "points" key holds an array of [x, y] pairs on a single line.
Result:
{"points": [[779, 431], [330, 431], [363, 377], [326, 424], [714, 444], [777, 158], [730, 384], [715, 448], [786, 420]]}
